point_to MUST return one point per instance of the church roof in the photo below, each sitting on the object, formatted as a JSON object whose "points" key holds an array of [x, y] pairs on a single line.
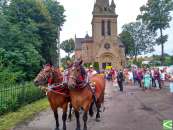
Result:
{"points": [[80, 41]]}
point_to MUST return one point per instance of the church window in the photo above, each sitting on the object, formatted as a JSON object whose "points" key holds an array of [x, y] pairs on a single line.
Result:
{"points": [[107, 46], [103, 28], [105, 8], [109, 28]]}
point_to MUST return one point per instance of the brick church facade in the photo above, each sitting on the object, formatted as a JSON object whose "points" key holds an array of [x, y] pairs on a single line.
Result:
{"points": [[104, 47]]}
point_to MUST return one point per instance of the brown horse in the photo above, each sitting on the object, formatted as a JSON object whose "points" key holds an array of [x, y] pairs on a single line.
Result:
{"points": [[82, 94], [50, 75]]}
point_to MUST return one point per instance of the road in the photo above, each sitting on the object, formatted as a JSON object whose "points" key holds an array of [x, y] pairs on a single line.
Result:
{"points": [[131, 110]]}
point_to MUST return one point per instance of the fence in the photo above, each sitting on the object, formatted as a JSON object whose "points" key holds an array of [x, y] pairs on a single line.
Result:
{"points": [[12, 97]]}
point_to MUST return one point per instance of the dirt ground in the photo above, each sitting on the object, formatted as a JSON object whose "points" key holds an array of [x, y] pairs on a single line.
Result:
{"points": [[131, 110]]}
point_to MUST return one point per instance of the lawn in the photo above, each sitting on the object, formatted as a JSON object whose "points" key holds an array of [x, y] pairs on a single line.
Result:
{"points": [[11, 119]]}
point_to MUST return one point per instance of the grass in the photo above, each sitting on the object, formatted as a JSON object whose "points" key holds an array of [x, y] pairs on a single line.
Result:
{"points": [[15, 96], [11, 119]]}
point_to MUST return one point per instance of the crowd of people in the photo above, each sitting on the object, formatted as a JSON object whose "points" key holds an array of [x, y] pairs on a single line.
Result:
{"points": [[145, 78]]}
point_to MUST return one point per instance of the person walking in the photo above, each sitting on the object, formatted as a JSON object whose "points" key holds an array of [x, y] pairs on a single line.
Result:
{"points": [[139, 77], [147, 80], [162, 78], [171, 84], [120, 79], [152, 76], [131, 77], [157, 78]]}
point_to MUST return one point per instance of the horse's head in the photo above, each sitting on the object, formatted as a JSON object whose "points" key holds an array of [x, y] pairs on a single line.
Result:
{"points": [[74, 73], [48, 74]]}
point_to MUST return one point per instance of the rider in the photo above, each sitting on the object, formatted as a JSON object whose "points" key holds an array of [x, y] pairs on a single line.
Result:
{"points": [[91, 72]]}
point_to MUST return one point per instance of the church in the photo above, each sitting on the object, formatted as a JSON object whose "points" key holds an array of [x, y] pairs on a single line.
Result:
{"points": [[104, 46]]}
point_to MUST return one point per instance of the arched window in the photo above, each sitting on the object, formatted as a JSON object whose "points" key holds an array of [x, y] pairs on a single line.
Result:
{"points": [[103, 28], [109, 28]]}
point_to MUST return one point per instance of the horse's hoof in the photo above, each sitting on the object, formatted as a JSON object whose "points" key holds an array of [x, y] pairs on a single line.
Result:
{"points": [[77, 128], [91, 113], [70, 118], [97, 116], [97, 119], [85, 128], [56, 129]]}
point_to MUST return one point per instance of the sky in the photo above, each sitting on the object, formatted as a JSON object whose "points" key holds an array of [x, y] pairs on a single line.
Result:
{"points": [[79, 15]]}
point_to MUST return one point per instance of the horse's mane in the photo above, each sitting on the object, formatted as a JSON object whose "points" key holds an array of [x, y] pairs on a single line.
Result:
{"points": [[58, 73]]}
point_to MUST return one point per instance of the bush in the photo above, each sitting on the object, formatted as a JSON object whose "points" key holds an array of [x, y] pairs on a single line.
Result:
{"points": [[13, 97]]}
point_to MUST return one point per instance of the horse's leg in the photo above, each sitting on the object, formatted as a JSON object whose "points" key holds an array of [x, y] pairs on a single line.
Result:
{"points": [[56, 118], [77, 120], [91, 113], [85, 118], [54, 109], [98, 105], [70, 115], [64, 117]]}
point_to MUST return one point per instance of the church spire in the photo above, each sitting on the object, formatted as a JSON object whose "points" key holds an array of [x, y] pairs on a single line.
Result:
{"points": [[113, 4], [102, 3]]}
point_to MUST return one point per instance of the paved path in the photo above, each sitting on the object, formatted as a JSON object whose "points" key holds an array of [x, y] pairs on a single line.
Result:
{"points": [[131, 110]]}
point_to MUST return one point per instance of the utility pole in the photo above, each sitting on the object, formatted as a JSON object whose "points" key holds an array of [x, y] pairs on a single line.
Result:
{"points": [[58, 45]]}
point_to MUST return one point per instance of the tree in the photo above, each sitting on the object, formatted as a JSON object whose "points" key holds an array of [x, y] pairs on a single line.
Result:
{"points": [[156, 14], [128, 42], [68, 46], [49, 31], [28, 33], [144, 39]]}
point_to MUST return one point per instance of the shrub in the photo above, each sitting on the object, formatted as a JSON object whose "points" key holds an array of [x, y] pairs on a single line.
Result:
{"points": [[13, 97]]}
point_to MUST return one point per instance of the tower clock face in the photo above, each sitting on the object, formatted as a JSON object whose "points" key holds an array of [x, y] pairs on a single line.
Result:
{"points": [[107, 46]]}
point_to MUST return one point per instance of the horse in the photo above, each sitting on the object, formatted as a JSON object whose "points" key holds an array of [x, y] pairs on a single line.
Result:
{"points": [[82, 95], [52, 76]]}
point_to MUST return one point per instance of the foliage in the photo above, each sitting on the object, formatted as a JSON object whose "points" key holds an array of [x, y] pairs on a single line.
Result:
{"points": [[156, 14], [68, 46], [96, 66], [168, 60], [28, 33], [13, 96], [11, 119], [128, 42], [64, 61], [143, 39]]}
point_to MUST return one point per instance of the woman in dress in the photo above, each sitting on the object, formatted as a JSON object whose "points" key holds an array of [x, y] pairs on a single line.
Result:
{"points": [[171, 84], [147, 80]]}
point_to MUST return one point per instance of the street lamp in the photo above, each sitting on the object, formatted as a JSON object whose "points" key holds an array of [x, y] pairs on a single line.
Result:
{"points": [[58, 46]]}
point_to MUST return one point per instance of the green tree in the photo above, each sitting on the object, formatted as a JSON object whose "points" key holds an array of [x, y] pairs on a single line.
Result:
{"points": [[28, 33], [64, 61], [156, 14], [49, 32], [144, 39], [68, 46], [128, 42]]}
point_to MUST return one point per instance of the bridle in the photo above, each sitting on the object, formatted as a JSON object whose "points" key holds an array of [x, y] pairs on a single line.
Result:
{"points": [[52, 72], [76, 79]]}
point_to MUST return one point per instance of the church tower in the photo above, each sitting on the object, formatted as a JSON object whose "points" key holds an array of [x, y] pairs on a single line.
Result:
{"points": [[104, 22], [104, 47]]}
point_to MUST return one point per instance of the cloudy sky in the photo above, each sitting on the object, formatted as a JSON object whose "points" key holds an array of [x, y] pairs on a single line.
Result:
{"points": [[79, 15]]}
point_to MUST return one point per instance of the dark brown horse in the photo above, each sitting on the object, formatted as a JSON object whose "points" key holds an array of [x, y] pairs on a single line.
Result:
{"points": [[82, 94], [52, 76]]}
